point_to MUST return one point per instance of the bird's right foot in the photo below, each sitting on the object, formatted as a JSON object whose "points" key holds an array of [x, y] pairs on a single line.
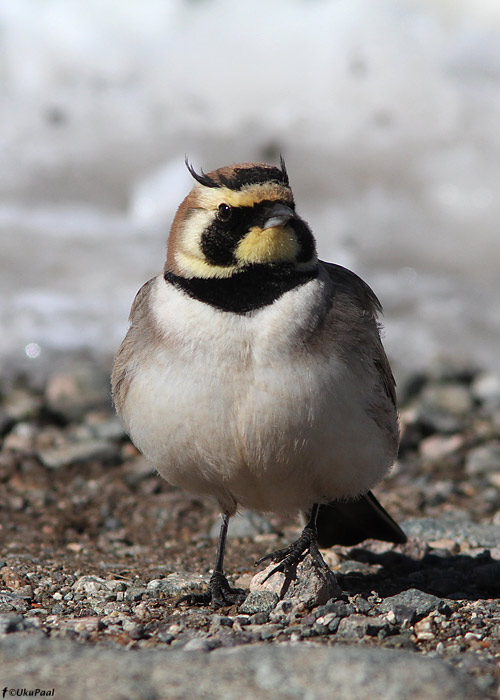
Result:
{"points": [[290, 556]]}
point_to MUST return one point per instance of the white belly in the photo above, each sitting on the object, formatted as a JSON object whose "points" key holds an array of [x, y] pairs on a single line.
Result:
{"points": [[231, 406]]}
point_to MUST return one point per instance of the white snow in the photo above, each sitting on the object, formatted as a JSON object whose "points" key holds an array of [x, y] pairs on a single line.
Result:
{"points": [[387, 113]]}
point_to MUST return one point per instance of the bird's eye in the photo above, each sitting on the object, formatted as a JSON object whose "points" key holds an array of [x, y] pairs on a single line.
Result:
{"points": [[224, 212]]}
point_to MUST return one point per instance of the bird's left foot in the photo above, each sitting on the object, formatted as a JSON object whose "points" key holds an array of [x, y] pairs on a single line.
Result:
{"points": [[290, 556], [219, 594]]}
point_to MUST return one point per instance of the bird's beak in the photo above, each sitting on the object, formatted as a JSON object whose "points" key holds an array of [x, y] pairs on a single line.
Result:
{"points": [[279, 215]]}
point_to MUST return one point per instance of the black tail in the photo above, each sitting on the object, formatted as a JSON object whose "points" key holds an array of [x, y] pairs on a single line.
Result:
{"points": [[351, 522]]}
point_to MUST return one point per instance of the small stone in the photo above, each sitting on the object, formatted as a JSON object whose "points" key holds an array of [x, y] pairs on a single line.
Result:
{"points": [[486, 389], [135, 630], [338, 607], [78, 452], [91, 585], [12, 578], [21, 438], [177, 584], [11, 622], [359, 626], [286, 610], [259, 618], [13, 601], [436, 447], [198, 644], [74, 392], [310, 584], [259, 601], [450, 398], [219, 621], [410, 605], [425, 629], [134, 593], [362, 606], [86, 624], [483, 459], [21, 405], [270, 631], [105, 427], [142, 611], [460, 529], [165, 637], [248, 523]]}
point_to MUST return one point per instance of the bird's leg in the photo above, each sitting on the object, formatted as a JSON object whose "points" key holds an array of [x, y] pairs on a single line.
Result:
{"points": [[219, 591], [291, 555]]}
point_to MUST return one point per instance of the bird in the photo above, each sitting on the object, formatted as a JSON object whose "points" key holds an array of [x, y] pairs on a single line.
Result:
{"points": [[254, 373]]}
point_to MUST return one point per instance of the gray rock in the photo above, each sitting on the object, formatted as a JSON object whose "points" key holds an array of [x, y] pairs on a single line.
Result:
{"points": [[338, 607], [248, 523], [452, 399], [309, 585], [411, 605], [358, 626], [431, 529], [177, 584], [259, 602], [77, 390], [486, 388], [255, 672], [21, 438], [78, 452], [11, 622], [483, 459], [134, 593], [92, 586], [20, 405], [108, 428], [259, 618]]}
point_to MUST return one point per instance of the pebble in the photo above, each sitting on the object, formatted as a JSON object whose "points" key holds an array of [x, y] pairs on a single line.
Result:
{"points": [[247, 523], [135, 593], [486, 388], [177, 584], [436, 447], [453, 399], [11, 622], [74, 392], [483, 459], [358, 626], [20, 405], [78, 452], [259, 601], [410, 605], [456, 529]]}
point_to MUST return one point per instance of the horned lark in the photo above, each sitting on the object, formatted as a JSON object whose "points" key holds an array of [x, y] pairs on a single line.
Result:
{"points": [[254, 373]]}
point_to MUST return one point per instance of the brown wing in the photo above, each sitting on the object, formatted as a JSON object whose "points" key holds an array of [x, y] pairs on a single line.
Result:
{"points": [[352, 285], [350, 522], [120, 376]]}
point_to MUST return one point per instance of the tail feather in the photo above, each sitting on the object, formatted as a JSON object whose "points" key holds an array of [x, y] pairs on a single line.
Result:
{"points": [[351, 522]]}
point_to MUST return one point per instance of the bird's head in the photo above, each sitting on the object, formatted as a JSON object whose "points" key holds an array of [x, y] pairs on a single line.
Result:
{"points": [[236, 218]]}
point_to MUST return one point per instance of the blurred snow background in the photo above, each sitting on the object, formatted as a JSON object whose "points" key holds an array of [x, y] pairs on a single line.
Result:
{"points": [[387, 113]]}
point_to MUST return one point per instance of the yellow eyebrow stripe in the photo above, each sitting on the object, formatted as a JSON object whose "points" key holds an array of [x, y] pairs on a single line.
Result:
{"points": [[246, 197]]}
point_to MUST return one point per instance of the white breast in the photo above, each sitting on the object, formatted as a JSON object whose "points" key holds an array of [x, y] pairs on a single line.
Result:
{"points": [[237, 407]]}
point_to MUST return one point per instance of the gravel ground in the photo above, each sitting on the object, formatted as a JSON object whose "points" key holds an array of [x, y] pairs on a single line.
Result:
{"points": [[96, 548]]}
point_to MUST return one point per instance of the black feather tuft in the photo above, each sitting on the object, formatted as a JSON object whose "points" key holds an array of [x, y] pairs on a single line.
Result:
{"points": [[283, 170], [202, 178]]}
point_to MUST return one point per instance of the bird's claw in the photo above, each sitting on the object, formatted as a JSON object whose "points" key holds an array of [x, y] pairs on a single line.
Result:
{"points": [[290, 556], [219, 594]]}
